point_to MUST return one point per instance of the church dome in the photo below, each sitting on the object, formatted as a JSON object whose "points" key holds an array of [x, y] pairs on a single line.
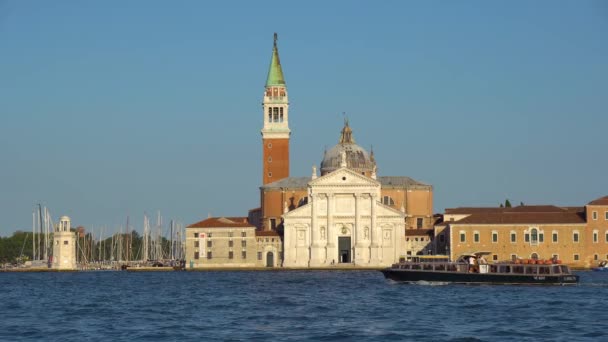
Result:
{"points": [[357, 158]]}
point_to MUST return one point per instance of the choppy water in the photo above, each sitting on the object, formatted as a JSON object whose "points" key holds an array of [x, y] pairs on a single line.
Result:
{"points": [[292, 305]]}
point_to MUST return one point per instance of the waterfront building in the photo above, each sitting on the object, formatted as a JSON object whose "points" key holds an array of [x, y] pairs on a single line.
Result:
{"points": [[575, 235], [64, 246], [347, 214]]}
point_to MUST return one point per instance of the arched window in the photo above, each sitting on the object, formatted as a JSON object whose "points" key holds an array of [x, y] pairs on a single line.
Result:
{"points": [[387, 200], [534, 236], [534, 256]]}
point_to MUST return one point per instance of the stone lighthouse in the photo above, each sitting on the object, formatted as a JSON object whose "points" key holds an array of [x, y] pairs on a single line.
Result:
{"points": [[64, 246]]}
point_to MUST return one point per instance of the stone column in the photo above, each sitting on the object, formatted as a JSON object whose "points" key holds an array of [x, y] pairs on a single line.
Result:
{"points": [[331, 253], [373, 233]]}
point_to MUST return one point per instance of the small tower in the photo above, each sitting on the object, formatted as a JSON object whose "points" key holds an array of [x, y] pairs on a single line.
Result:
{"points": [[275, 133], [64, 246]]}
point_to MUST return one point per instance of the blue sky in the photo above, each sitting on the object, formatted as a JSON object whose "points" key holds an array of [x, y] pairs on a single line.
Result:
{"points": [[110, 109]]}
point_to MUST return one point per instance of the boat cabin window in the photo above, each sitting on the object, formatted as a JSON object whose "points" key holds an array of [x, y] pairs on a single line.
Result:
{"points": [[531, 270], [415, 267], [564, 269], [543, 270], [518, 269], [427, 267], [555, 270]]}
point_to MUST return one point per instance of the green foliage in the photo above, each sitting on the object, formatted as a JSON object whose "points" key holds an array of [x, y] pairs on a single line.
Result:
{"points": [[507, 203]]}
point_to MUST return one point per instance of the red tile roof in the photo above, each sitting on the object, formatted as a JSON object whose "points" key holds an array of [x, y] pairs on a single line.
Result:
{"points": [[524, 218], [600, 201], [222, 222]]}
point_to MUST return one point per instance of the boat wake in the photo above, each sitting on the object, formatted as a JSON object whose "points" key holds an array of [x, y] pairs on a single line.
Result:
{"points": [[430, 283]]}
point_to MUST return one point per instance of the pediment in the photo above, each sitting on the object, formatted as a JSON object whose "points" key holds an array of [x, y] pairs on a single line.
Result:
{"points": [[344, 177], [303, 211]]}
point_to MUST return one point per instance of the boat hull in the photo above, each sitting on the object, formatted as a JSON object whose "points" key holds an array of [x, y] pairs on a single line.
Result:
{"points": [[479, 278]]}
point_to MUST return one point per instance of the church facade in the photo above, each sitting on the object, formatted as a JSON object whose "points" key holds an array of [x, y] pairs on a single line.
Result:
{"points": [[346, 214]]}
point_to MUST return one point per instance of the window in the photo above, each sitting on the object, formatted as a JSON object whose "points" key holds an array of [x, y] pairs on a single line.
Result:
{"points": [[595, 257], [575, 236], [275, 114], [513, 237], [196, 244], [526, 237], [195, 235], [243, 243], [273, 223], [494, 237], [209, 235], [244, 254], [476, 237], [419, 222], [209, 243], [607, 236], [594, 215], [494, 257], [196, 255], [541, 237], [463, 237], [230, 243], [576, 257], [270, 159], [441, 238], [596, 236], [65, 242], [281, 114], [387, 200], [269, 174], [533, 236], [259, 255], [243, 234], [606, 215], [555, 256], [269, 114], [209, 255], [554, 236], [231, 254], [269, 145], [513, 257]]}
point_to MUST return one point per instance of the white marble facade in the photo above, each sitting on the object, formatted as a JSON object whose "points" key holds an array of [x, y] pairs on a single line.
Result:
{"points": [[343, 223]]}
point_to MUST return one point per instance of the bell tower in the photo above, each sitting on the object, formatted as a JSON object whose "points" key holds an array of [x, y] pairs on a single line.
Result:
{"points": [[275, 133]]}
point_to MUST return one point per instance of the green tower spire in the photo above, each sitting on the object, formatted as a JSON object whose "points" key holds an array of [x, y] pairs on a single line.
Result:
{"points": [[275, 73]]}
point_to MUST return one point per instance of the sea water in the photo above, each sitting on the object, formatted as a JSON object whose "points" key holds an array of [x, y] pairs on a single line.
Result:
{"points": [[292, 306]]}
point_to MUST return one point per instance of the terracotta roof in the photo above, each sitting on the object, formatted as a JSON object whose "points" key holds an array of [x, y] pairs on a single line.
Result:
{"points": [[518, 209], [222, 222], [600, 201], [563, 217], [266, 233], [418, 232], [473, 210]]}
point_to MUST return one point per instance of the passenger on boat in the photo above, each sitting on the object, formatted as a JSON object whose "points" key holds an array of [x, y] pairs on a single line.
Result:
{"points": [[472, 267], [483, 265]]}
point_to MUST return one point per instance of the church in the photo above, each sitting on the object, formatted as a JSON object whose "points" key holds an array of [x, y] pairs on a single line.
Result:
{"points": [[344, 214]]}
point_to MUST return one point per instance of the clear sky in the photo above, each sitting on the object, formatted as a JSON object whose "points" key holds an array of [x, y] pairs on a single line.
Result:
{"points": [[110, 109]]}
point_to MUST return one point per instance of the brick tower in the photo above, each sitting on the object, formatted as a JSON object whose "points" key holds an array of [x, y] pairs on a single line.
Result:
{"points": [[275, 133]]}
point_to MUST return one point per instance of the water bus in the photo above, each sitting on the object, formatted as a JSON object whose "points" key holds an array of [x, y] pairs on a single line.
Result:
{"points": [[472, 269]]}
